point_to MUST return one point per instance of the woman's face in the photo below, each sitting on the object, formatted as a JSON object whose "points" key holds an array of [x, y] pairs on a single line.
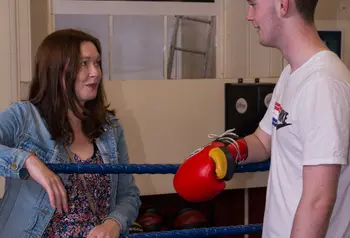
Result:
{"points": [[89, 75]]}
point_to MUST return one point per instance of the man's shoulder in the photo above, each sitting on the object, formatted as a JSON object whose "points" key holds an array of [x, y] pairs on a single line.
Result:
{"points": [[329, 64], [325, 70], [331, 76]]}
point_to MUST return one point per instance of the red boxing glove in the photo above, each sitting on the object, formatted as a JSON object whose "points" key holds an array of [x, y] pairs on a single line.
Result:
{"points": [[203, 174]]}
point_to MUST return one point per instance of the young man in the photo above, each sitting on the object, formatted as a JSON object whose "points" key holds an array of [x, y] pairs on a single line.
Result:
{"points": [[305, 131]]}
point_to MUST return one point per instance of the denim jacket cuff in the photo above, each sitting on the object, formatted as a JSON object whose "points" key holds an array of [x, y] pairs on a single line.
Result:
{"points": [[16, 167], [120, 219]]}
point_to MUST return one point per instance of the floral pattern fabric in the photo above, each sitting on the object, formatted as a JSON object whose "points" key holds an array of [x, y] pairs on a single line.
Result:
{"points": [[80, 220]]}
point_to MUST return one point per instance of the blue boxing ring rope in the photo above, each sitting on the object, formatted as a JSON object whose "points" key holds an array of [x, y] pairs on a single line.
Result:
{"points": [[140, 168], [200, 232], [165, 169]]}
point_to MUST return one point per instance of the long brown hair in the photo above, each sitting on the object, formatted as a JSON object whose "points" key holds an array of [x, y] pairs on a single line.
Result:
{"points": [[58, 59]]}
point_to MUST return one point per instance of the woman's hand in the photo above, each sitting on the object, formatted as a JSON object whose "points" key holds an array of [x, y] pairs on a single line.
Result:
{"points": [[109, 229], [49, 181]]}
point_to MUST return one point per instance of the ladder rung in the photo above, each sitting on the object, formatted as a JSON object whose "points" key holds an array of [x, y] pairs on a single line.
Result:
{"points": [[190, 51], [196, 19], [173, 46]]}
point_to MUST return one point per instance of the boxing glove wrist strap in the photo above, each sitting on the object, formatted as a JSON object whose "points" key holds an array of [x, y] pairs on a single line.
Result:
{"points": [[232, 144], [229, 150]]}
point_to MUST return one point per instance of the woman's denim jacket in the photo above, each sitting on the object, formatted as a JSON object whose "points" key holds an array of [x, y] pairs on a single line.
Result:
{"points": [[25, 209]]}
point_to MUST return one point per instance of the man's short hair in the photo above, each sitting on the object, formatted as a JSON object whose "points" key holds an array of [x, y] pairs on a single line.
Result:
{"points": [[306, 8]]}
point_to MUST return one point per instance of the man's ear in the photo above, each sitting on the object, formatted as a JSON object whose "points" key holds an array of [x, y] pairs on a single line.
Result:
{"points": [[284, 7]]}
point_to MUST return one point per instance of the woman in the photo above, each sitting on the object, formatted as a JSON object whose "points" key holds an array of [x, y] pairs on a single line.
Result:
{"points": [[65, 120]]}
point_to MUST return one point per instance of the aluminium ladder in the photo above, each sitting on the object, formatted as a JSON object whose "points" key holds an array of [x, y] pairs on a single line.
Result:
{"points": [[174, 47]]}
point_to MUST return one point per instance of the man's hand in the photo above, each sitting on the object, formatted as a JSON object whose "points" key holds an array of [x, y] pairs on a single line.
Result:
{"points": [[316, 205], [109, 229]]}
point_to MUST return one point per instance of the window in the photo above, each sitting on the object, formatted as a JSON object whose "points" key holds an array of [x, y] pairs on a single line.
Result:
{"points": [[137, 36]]}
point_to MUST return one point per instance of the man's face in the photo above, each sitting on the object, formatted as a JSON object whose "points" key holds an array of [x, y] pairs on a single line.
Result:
{"points": [[263, 14]]}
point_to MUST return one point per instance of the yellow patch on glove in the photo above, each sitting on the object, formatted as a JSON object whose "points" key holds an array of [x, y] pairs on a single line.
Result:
{"points": [[220, 160]]}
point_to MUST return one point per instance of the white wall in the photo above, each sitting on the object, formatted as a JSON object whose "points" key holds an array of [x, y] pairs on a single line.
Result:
{"points": [[7, 59], [6, 52]]}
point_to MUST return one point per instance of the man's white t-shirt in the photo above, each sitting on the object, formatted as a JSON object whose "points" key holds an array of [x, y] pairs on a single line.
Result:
{"points": [[309, 122]]}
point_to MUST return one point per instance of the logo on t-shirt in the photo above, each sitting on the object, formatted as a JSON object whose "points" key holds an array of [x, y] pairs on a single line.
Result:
{"points": [[279, 118]]}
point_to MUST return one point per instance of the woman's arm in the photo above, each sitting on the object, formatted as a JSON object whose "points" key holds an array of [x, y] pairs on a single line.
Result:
{"points": [[128, 201]]}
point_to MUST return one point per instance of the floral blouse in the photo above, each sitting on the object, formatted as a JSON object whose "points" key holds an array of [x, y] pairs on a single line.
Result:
{"points": [[80, 220]]}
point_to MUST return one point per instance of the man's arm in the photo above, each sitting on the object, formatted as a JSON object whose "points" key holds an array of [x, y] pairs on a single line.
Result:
{"points": [[259, 142], [320, 184], [259, 146]]}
